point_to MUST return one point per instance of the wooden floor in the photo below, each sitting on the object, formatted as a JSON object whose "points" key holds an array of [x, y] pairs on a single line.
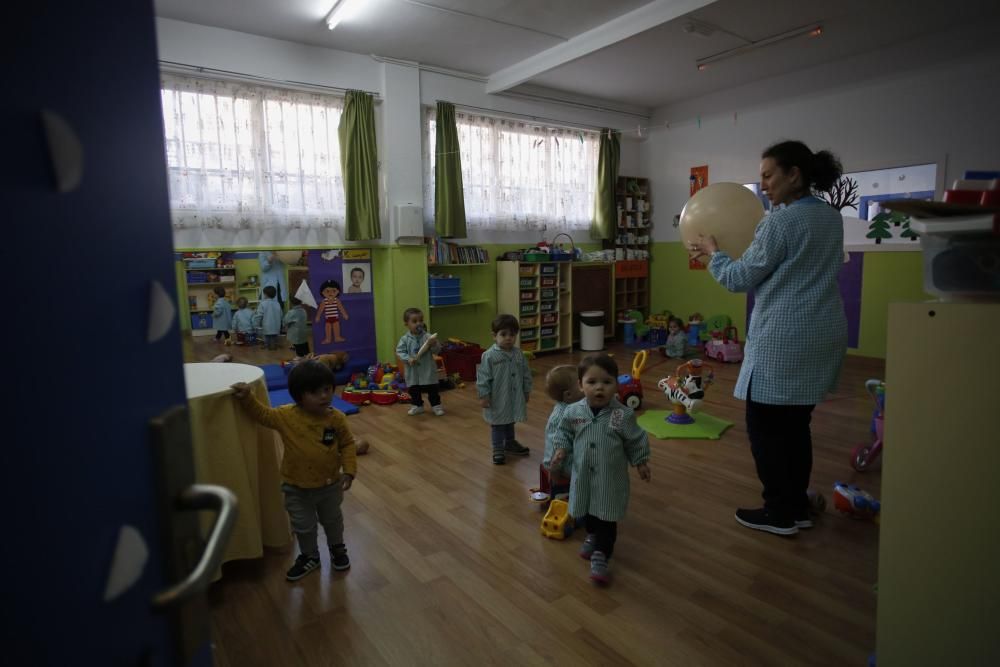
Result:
{"points": [[449, 568]]}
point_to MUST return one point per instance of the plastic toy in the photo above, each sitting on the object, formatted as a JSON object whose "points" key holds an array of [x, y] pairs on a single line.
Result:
{"points": [[864, 455], [854, 502], [384, 396], [694, 328], [630, 386], [686, 389], [356, 396], [723, 348], [557, 523]]}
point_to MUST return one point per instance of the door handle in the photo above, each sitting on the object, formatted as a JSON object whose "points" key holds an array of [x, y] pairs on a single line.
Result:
{"points": [[201, 497]]}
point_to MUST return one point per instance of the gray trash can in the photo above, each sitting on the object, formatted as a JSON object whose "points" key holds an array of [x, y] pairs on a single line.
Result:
{"points": [[592, 330]]}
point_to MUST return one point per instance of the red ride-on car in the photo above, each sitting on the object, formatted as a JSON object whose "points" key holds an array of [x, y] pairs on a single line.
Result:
{"points": [[724, 348], [630, 386]]}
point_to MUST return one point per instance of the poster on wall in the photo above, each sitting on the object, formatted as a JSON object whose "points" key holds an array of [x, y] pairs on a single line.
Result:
{"points": [[340, 281], [698, 180]]}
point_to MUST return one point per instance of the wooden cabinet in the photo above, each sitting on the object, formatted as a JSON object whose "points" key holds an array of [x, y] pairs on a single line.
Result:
{"points": [[593, 289], [539, 294], [939, 538], [633, 239]]}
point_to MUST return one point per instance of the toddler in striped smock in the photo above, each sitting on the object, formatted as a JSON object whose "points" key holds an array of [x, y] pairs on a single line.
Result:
{"points": [[563, 387], [604, 439], [503, 382]]}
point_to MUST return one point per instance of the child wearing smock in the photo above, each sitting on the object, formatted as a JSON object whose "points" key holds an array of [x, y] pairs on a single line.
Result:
{"points": [[604, 439], [268, 317], [676, 339], [296, 326], [421, 374], [563, 387], [503, 383], [242, 324], [222, 314]]}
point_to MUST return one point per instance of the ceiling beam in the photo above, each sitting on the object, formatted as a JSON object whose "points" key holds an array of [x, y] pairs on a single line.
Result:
{"points": [[620, 28]]}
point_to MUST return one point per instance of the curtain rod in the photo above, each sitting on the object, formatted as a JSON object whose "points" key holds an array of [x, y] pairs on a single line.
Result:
{"points": [[184, 68], [555, 121]]}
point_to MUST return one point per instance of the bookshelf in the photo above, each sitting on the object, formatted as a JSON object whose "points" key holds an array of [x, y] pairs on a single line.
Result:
{"points": [[631, 244]]}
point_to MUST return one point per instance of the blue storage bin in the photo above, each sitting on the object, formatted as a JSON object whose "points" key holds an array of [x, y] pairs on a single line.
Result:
{"points": [[443, 282], [201, 320], [445, 300], [445, 291]]}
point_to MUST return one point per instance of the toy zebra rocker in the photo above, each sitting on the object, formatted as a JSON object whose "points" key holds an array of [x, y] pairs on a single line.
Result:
{"points": [[686, 389]]}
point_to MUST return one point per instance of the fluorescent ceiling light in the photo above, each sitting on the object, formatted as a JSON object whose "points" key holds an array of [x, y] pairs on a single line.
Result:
{"points": [[342, 9], [811, 30]]}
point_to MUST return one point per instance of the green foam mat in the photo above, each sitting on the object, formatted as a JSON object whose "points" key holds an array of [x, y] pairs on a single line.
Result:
{"points": [[705, 426]]}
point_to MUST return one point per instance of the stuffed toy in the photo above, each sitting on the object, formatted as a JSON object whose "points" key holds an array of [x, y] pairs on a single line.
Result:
{"points": [[335, 360]]}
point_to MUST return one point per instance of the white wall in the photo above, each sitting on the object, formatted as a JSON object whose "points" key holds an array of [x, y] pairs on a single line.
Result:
{"points": [[402, 89], [945, 112]]}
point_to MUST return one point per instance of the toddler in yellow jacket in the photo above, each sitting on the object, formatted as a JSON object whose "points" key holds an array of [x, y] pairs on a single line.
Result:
{"points": [[319, 464]]}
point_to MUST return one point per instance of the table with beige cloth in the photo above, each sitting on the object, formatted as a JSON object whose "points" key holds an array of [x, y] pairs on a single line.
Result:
{"points": [[234, 451]]}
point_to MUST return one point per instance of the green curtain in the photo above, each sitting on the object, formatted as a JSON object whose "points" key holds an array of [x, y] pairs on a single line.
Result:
{"points": [[449, 198], [605, 211], [359, 166]]}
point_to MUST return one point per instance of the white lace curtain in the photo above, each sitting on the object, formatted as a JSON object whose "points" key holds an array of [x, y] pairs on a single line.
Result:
{"points": [[244, 156], [519, 175]]}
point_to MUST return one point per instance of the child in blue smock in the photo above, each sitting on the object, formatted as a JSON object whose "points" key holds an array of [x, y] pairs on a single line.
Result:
{"points": [[268, 318], [421, 374], [222, 314], [503, 383], [242, 324], [297, 327], [604, 439], [563, 387]]}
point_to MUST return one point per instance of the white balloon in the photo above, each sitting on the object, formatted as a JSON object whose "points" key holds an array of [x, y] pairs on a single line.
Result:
{"points": [[727, 211], [289, 256]]}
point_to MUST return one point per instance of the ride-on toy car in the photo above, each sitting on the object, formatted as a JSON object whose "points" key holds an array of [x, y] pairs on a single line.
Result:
{"points": [[630, 386], [723, 348]]}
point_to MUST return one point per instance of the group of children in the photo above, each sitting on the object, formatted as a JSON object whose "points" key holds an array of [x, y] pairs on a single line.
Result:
{"points": [[591, 438], [249, 326]]}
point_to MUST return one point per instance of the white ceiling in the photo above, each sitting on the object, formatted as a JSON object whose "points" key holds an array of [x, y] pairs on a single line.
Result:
{"points": [[650, 69]]}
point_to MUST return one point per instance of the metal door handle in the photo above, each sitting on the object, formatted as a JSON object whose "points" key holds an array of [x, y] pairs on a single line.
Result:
{"points": [[201, 497]]}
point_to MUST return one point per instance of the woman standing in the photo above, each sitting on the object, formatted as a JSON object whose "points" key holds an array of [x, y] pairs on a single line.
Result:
{"points": [[798, 332]]}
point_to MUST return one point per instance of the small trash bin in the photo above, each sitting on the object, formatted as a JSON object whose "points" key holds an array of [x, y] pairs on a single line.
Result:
{"points": [[592, 330]]}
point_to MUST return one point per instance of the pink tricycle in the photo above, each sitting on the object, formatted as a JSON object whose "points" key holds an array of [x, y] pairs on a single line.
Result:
{"points": [[864, 455], [722, 347]]}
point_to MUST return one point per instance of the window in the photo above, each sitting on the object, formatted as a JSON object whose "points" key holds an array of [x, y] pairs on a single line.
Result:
{"points": [[518, 175], [241, 156]]}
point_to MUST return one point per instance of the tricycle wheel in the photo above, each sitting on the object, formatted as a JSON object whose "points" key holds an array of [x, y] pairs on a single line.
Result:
{"points": [[859, 457]]}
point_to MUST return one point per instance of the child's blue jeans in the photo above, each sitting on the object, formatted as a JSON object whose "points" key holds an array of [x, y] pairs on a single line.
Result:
{"points": [[501, 433]]}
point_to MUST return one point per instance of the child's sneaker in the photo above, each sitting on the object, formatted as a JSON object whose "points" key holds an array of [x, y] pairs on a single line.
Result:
{"points": [[599, 568], [588, 546], [515, 448], [438, 410], [338, 556], [498, 457], [303, 565], [415, 410]]}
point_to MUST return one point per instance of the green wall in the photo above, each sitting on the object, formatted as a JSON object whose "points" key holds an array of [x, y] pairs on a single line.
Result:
{"points": [[887, 277]]}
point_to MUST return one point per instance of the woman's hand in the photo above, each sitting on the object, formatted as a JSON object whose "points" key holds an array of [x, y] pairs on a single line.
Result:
{"points": [[702, 247]]}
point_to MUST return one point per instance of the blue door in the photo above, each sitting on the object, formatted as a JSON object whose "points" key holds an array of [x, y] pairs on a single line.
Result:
{"points": [[93, 375]]}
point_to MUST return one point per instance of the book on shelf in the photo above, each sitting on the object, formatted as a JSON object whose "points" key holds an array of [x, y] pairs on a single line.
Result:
{"points": [[443, 252]]}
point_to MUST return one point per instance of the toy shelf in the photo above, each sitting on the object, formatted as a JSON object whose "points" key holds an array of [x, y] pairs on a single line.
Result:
{"points": [[464, 303], [541, 302]]}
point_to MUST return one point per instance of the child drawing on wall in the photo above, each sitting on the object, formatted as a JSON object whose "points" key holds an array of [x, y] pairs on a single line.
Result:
{"points": [[332, 310]]}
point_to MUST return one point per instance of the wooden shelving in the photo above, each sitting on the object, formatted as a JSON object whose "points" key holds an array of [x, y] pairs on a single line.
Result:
{"points": [[539, 294]]}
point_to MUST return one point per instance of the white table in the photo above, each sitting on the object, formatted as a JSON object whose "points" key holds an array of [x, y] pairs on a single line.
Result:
{"points": [[232, 450]]}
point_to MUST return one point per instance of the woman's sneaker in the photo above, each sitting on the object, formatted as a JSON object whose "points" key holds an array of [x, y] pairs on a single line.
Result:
{"points": [[338, 556], [599, 568], [415, 410], [303, 565], [588, 546], [763, 519]]}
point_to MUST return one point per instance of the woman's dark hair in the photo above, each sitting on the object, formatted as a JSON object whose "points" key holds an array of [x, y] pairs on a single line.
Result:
{"points": [[309, 375], [508, 322], [819, 170], [602, 361]]}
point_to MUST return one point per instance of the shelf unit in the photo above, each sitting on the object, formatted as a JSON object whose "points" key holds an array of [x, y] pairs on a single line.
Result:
{"points": [[198, 292], [632, 243], [460, 320], [540, 295]]}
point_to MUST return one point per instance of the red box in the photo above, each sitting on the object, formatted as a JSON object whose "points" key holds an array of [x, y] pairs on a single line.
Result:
{"points": [[463, 360], [632, 268]]}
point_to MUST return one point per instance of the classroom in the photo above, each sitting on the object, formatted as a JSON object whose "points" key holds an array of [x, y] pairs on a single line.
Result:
{"points": [[668, 273]]}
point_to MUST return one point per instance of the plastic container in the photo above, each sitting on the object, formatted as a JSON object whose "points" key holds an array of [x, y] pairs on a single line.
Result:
{"points": [[463, 360], [549, 269], [527, 270], [549, 293], [449, 300], [528, 296], [529, 334], [528, 308], [529, 346], [548, 306], [592, 330], [550, 281], [548, 343], [961, 257], [530, 321], [549, 318], [546, 332], [527, 282]]}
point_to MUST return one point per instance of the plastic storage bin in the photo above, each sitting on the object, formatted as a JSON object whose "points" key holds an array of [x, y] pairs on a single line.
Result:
{"points": [[549, 318], [548, 306], [549, 293], [546, 332], [527, 282], [592, 330], [444, 291], [529, 308], [201, 320], [548, 343], [530, 321], [961, 257], [549, 269], [550, 281]]}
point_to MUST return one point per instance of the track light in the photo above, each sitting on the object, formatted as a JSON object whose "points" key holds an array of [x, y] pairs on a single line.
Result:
{"points": [[811, 30], [341, 9]]}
